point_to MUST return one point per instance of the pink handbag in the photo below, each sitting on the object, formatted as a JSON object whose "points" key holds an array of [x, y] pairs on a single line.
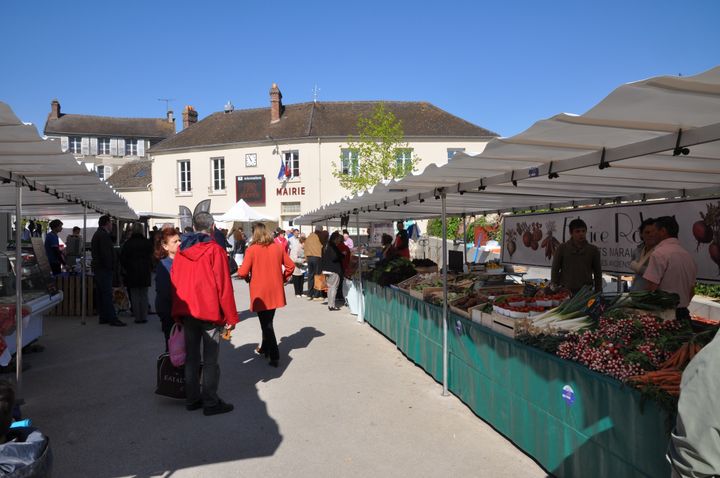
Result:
{"points": [[176, 345]]}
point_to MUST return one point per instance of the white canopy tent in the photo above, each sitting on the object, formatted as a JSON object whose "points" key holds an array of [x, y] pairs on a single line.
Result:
{"points": [[241, 212], [38, 180], [652, 139], [623, 149]]}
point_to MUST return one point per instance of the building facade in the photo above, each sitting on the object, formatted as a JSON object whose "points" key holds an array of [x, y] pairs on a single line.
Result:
{"points": [[280, 159], [103, 143]]}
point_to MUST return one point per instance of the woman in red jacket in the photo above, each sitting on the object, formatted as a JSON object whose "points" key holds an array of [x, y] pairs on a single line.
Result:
{"points": [[263, 268]]}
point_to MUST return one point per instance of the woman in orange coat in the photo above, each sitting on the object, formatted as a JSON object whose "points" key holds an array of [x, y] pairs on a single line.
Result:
{"points": [[263, 268]]}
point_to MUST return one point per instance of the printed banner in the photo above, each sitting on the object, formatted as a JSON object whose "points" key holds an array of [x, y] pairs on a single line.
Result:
{"points": [[533, 239]]}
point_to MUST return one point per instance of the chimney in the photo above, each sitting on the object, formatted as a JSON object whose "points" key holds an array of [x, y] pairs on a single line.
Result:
{"points": [[170, 118], [189, 116], [54, 110], [276, 107]]}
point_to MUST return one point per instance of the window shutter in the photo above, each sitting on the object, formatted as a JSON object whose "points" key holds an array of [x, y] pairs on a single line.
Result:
{"points": [[114, 147], [93, 145], [85, 146], [121, 147], [141, 147], [107, 172], [64, 143]]}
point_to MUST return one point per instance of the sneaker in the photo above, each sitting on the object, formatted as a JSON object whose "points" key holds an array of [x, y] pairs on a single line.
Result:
{"points": [[319, 299], [196, 405], [298, 296], [221, 407]]}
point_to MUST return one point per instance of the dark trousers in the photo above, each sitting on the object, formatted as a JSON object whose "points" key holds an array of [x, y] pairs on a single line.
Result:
{"points": [[103, 295], [313, 268], [203, 334], [298, 283], [269, 343], [166, 324]]}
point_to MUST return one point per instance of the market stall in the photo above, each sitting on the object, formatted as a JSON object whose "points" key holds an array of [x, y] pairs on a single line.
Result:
{"points": [[38, 180], [657, 139]]}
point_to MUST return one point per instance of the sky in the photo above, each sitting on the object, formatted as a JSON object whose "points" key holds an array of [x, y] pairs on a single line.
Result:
{"points": [[500, 65]]}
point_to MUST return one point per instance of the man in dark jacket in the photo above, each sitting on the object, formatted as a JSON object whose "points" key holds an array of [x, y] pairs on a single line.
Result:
{"points": [[103, 264], [136, 261], [204, 302]]}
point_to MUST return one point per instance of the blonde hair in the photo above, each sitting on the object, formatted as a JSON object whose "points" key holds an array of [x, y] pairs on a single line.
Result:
{"points": [[261, 236]]}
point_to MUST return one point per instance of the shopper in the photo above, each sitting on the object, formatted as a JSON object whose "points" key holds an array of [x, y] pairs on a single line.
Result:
{"points": [[641, 255], [577, 262], [671, 268], [167, 243], [332, 266], [52, 246], [74, 249], [388, 249], [280, 239], [313, 255], [263, 268], [136, 260], [204, 302], [297, 255], [402, 242], [347, 240], [103, 265], [239, 245]]}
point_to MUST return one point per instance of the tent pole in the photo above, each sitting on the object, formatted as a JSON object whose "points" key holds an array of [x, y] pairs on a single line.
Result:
{"points": [[18, 290], [464, 242], [83, 279], [445, 293], [361, 299], [117, 239]]}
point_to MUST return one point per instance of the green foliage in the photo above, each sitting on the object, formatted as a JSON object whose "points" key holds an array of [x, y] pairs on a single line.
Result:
{"points": [[454, 227], [379, 144], [708, 290], [495, 235]]}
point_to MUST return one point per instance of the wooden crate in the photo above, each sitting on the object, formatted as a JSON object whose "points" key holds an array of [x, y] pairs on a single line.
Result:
{"points": [[461, 312], [504, 325], [427, 270], [428, 291], [71, 305], [476, 315]]}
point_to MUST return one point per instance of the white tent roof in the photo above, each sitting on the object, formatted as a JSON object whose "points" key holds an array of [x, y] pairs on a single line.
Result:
{"points": [[241, 212], [54, 182], [620, 150]]}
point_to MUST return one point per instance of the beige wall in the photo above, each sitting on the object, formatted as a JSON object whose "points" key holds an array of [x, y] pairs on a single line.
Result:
{"points": [[316, 158], [139, 200]]}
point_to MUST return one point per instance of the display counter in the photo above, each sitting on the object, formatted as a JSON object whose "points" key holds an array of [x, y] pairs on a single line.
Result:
{"points": [[36, 304], [573, 421]]}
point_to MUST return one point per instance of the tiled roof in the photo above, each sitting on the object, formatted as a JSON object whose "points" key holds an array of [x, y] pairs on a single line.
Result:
{"points": [[86, 125], [134, 175], [310, 120]]}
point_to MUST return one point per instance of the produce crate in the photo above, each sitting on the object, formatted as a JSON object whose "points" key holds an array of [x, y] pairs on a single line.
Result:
{"points": [[427, 270], [476, 314], [503, 325], [428, 291], [461, 312]]}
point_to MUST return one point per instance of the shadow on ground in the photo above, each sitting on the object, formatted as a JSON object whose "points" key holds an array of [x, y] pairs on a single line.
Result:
{"points": [[92, 392]]}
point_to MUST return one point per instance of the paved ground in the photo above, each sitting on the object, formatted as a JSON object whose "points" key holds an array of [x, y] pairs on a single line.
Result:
{"points": [[344, 403]]}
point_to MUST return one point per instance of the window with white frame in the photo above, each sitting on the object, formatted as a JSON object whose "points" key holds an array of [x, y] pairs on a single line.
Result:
{"points": [[451, 152], [350, 162], [292, 163], [75, 144], [100, 169], [131, 147], [403, 160], [218, 173], [289, 208], [184, 184], [103, 145]]}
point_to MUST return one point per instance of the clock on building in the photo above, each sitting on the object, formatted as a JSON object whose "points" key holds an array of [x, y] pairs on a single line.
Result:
{"points": [[250, 160]]}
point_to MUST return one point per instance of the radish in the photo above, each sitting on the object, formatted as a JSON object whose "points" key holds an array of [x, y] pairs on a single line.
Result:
{"points": [[714, 251], [527, 238], [511, 248], [703, 234]]}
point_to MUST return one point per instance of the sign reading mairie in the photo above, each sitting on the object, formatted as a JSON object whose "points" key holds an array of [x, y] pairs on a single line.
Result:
{"points": [[292, 191]]}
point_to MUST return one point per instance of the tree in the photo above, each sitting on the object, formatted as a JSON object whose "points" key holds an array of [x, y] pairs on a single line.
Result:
{"points": [[378, 153]]}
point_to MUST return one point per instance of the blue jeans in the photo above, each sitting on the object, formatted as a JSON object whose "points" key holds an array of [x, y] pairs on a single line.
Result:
{"points": [[199, 333], [103, 296]]}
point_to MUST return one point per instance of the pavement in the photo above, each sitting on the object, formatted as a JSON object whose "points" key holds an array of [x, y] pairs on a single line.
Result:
{"points": [[344, 402]]}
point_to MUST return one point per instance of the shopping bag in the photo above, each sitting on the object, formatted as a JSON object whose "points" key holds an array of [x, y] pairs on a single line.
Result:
{"points": [[176, 345], [320, 282], [170, 379]]}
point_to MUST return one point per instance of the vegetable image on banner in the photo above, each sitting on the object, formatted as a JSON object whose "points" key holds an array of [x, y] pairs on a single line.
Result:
{"points": [[533, 239]]}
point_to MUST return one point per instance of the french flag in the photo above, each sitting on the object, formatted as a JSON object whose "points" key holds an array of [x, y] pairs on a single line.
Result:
{"points": [[281, 174]]}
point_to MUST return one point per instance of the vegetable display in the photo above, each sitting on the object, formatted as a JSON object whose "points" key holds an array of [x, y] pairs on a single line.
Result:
{"points": [[707, 231]]}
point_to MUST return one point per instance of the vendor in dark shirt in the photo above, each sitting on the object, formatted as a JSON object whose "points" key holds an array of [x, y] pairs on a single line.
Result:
{"points": [[52, 246], [577, 262]]}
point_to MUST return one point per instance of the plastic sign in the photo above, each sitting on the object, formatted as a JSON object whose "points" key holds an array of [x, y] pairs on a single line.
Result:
{"points": [[568, 395], [534, 172]]}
